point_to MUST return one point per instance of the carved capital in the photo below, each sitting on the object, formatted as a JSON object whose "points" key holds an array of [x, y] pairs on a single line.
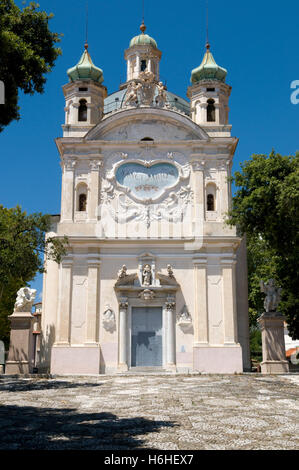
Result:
{"points": [[170, 303], [95, 165], [198, 165], [68, 164], [123, 303]]}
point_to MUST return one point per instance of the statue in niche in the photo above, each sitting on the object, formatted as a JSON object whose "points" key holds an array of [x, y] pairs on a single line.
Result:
{"points": [[147, 275], [122, 272], [272, 295]]}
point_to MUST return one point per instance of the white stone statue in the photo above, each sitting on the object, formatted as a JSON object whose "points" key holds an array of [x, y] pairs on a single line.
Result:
{"points": [[161, 98], [272, 295], [132, 94], [170, 271], [147, 275], [122, 272], [25, 299]]}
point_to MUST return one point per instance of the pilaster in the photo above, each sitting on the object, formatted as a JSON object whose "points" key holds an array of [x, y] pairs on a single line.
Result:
{"points": [[228, 267], [197, 172], [93, 202], [93, 290], [64, 307], [67, 197], [201, 326]]}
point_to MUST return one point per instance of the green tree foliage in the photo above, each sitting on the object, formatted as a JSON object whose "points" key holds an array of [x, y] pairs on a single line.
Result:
{"points": [[28, 53], [23, 250], [265, 207]]}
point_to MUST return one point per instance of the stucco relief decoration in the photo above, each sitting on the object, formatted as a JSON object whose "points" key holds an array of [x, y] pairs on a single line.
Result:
{"points": [[145, 92], [148, 87], [147, 294], [109, 321], [25, 299], [147, 190], [184, 317]]}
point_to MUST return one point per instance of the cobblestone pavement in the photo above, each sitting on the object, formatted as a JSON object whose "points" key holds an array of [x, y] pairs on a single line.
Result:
{"points": [[179, 412]]}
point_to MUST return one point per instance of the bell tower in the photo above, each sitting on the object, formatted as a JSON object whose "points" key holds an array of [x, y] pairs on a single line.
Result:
{"points": [[84, 97], [209, 96], [142, 55]]}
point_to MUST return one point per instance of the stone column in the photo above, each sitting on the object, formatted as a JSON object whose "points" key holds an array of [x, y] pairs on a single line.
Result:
{"points": [[201, 326], [64, 307], [67, 196], [93, 290], [93, 201], [20, 356], [123, 308], [170, 336], [229, 301], [274, 356]]}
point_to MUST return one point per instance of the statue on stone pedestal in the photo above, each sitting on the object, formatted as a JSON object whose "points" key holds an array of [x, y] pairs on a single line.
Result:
{"points": [[272, 295], [25, 299]]}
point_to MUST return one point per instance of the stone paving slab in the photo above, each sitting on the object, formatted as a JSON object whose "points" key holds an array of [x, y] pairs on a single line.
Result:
{"points": [[179, 412]]}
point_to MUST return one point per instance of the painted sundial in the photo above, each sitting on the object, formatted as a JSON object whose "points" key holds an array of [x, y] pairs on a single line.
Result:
{"points": [[147, 182]]}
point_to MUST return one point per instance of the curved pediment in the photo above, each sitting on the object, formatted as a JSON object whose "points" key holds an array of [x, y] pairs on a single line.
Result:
{"points": [[150, 123]]}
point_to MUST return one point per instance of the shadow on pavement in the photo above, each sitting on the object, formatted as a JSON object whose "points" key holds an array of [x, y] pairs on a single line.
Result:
{"points": [[22, 385], [24, 427]]}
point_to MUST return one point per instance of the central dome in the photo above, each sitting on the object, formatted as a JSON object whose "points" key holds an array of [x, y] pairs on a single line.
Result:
{"points": [[143, 39]]}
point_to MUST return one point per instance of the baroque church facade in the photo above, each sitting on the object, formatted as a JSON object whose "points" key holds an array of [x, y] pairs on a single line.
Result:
{"points": [[154, 279]]}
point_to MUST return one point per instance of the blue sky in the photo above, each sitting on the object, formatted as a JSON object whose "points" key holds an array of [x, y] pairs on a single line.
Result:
{"points": [[256, 41]]}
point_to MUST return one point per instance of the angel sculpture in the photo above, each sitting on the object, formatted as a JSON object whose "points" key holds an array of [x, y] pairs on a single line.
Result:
{"points": [[132, 94]]}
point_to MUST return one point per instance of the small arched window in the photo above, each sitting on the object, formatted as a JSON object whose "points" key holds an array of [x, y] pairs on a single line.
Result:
{"points": [[149, 139], [82, 112], [82, 202], [210, 202], [211, 111], [143, 65]]}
